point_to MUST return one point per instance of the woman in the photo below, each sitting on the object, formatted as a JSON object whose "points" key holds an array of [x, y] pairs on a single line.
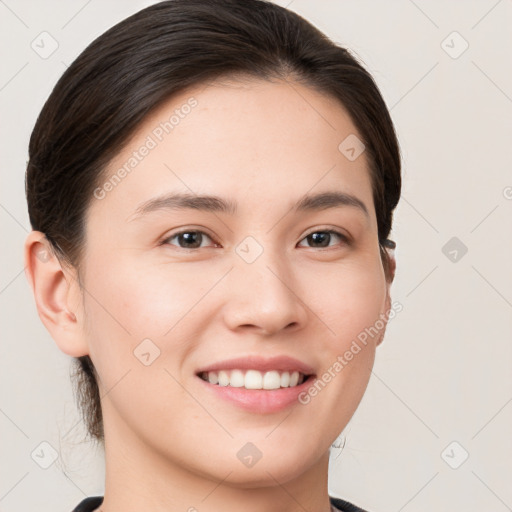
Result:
{"points": [[211, 188]]}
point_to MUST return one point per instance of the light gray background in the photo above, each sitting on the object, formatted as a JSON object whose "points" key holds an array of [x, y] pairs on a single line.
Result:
{"points": [[443, 373]]}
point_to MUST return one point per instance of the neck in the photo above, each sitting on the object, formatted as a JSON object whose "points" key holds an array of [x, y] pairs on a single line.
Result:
{"points": [[140, 478]]}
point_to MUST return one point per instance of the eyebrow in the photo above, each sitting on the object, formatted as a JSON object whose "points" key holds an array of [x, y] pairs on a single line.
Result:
{"points": [[208, 203]]}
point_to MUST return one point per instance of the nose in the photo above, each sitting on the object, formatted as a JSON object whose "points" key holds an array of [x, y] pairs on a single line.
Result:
{"points": [[265, 296]]}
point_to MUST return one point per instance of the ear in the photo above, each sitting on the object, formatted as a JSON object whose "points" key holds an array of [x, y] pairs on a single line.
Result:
{"points": [[392, 264], [57, 295], [390, 276]]}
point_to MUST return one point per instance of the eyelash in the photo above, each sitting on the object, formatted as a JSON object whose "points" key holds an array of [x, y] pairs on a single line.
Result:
{"points": [[345, 239]]}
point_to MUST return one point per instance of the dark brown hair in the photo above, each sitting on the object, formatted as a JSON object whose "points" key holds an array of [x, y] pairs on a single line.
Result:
{"points": [[128, 71]]}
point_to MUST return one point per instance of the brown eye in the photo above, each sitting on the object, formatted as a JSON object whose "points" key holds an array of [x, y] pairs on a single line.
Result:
{"points": [[190, 239], [322, 239]]}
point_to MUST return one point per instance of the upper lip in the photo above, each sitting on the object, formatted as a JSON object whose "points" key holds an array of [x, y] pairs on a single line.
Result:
{"points": [[280, 363]]}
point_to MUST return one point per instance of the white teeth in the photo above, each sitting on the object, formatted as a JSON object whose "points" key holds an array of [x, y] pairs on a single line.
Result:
{"points": [[271, 380], [254, 379], [236, 379], [223, 378]]}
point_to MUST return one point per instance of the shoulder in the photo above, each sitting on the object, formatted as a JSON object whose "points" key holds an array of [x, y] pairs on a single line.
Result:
{"points": [[89, 504], [345, 506], [93, 502]]}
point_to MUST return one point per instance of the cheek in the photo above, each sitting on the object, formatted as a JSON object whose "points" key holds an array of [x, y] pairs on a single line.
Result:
{"points": [[351, 303], [142, 300], [138, 308], [152, 300]]}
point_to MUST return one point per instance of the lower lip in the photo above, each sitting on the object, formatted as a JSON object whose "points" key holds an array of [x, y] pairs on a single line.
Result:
{"points": [[260, 401]]}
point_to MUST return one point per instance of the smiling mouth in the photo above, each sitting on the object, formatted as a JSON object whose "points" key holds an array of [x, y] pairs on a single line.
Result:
{"points": [[254, 379]]}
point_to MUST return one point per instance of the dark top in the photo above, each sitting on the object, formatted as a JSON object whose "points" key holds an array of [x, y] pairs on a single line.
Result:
{"points": [[93, 502]]}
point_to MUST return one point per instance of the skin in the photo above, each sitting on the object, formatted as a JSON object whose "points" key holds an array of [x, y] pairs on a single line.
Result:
{"points": [[169, 446]]}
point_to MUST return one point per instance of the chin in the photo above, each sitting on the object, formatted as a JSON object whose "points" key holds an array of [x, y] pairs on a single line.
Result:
{"points": [[280, 467]]}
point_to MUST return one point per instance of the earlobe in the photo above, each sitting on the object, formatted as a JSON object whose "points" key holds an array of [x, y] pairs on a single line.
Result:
{"points": [[387, 307], [53, 285], [390, 248], [390, 275]]}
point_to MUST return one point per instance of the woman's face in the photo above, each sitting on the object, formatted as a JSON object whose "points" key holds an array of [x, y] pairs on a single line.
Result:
{"points": [[265, 281]]}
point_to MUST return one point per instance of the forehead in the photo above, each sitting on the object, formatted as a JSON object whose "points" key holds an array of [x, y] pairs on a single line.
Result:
{"points": [[249, 140]]}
